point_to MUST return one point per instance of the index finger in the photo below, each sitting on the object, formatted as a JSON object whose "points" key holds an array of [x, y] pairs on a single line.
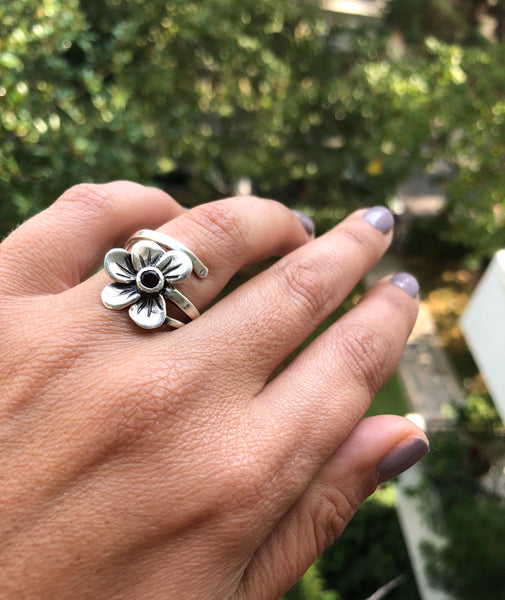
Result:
{"points": [[65, 243]]}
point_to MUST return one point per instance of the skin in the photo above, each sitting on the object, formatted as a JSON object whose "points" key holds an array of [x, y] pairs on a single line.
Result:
{"points": [[170, 464]]}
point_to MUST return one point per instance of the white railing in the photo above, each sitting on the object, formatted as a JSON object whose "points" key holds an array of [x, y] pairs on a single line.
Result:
{"points": [[362, 8], [483, 325]]}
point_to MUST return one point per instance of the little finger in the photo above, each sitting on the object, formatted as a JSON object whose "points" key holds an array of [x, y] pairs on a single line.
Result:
{"points": [[378, 449]]}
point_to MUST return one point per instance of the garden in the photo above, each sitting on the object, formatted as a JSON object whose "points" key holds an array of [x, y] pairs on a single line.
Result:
{"points": [[196, 97]]}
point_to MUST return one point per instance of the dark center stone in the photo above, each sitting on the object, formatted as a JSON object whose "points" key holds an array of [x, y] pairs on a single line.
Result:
{"points": [[150, 279]]}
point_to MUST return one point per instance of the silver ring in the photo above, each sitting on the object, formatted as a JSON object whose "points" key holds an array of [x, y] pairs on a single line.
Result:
{"points": [[144, 274]]}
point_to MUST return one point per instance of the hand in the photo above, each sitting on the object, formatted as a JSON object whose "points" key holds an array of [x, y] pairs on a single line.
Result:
{"points": [[170, 464]]}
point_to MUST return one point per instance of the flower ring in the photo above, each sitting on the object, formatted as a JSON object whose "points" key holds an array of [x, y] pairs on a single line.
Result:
{"points": [[144, 278]]}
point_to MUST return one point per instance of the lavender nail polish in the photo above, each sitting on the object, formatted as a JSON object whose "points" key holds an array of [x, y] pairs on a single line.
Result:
{"points": [[307, 222], [401, 457], [408, 283], [380, 218]]}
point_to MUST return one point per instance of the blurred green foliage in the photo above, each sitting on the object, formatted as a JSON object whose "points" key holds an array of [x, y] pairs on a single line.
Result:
{"points": [[311, 587], [452, 21], [471, 565], [468, 515], [314, 112], [479, 417], [137, 89], [470, 138]]}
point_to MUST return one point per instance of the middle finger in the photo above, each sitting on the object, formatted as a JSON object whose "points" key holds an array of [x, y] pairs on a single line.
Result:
{"points": [[225, 235], [267, 318]]}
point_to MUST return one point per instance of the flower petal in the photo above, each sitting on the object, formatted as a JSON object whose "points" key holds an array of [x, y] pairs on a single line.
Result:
{"points": [[119, 295], [175, 266], [145, 254], [118, 265], [149, 312]]}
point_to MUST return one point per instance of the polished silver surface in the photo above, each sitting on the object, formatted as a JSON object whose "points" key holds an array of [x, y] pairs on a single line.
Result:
{"points": [[170, 293], [167, 242], [144, 275]]}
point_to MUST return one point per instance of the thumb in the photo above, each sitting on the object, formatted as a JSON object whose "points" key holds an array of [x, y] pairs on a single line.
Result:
{"points": [[377, 449]]}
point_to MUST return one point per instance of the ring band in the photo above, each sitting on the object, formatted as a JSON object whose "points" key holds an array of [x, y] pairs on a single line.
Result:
{"points": [[144, 274], [169, 243]]}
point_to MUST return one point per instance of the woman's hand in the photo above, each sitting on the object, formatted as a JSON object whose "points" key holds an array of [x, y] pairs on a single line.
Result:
{"points": [[170, 464]]}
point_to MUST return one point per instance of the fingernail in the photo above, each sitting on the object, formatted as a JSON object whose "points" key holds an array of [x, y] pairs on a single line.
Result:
{"points": [[401, 457], [408, 283], [380, 218], [307, 222]]}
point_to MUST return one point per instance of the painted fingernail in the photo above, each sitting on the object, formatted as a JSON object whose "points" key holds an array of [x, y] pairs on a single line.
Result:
{"points": [[408, 283], [380, 218], [401, 457], [307, 222]]}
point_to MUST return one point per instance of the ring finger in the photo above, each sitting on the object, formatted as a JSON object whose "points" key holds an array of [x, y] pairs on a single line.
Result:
{"points": [[225, 235]]}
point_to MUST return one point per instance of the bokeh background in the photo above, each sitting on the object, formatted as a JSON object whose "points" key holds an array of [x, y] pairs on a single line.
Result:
{"points": [[328, 108]]}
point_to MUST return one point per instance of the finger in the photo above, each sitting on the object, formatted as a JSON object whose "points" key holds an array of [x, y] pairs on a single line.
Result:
{"points": [[228, 234], [272, 314], [318, 399], [64, 244], [225, 235], [378, 449]]}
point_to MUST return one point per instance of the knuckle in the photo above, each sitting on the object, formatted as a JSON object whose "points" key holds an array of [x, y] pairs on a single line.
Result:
{"points": [[86, 196], [304, 283], [223, 225], [333, 511], [402, 306], [365, 354], [353, 234], [264, 206]]}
